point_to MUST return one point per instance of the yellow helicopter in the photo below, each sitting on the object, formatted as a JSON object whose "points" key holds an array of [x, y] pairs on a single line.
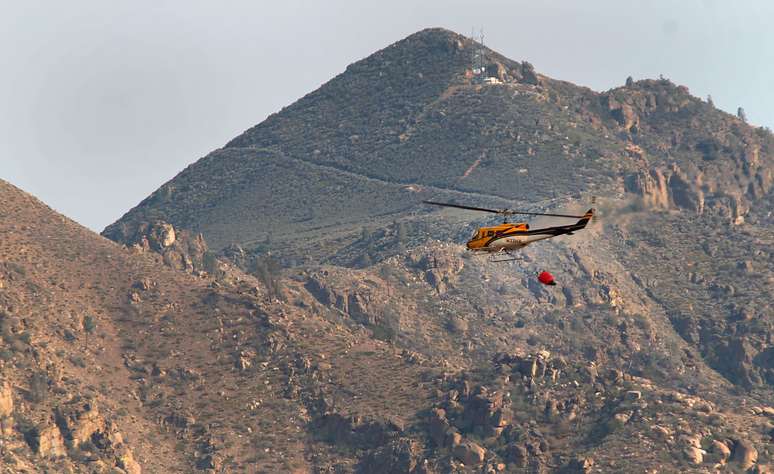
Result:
{"points": [[509, 236]]}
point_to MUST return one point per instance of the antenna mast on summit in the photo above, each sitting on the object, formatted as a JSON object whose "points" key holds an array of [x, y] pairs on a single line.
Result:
{"points": [[478, 59]]}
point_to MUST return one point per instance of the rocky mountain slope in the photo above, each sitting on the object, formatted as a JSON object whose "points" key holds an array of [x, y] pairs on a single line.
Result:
{"points": [[430, 361], [286, 304], [113, 362], [344, 169]]}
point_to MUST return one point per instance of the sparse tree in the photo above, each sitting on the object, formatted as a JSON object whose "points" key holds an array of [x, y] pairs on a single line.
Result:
{"points": [[740, 113], [211, 265], [38, 387], [268, 272], [365, 260], [89, 325], [709, 101], [401, 235], [629, 81]]}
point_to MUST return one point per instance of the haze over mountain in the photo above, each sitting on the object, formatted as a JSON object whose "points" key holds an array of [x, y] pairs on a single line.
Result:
{"points": [[382, 345], [119, 125]]}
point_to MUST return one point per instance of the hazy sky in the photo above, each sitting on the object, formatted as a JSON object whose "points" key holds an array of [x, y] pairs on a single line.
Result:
{"points": [[103, 101]]}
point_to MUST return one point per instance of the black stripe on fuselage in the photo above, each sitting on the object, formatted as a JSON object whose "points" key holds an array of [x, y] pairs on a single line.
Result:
{"points": [[552, 231]]}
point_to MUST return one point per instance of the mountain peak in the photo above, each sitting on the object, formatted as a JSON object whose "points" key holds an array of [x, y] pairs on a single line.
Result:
{"points": [[434, 33], [417, 115]]}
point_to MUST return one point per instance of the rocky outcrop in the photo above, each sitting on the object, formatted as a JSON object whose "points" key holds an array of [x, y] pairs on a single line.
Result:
{"points": [[6, 410], [579, 465], [623, 113], [363, 433], [179, 248], [469, 453], [744, 454], [665, 189], [719, 453], [441, 432], [49, 443], [532, 366], [528, 74], [125, 460], [497, 70], [398, 457], [365, 299], [734, 359], [79, 422], [686, 193], [726, 192], [439, 268], [486, 412], [6, 400]]}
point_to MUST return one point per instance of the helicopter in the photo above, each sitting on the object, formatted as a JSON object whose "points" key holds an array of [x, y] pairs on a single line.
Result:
{"points": [[509, 236]]}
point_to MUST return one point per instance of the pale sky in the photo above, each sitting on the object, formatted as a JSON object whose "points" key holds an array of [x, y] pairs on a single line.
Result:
{"points": [[101, 102]]}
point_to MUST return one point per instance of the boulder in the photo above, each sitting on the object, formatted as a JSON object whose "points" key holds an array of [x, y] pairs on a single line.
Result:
{"points": [[517, 454], [355, 431], [438, 426], [399, 456], [486, 411], [744, 454], [661, 432], [208, 461], [49, 443], [626, 117], [694, 455], [126, 461], [619, 420], [79, 421], [469, 453], [6, 426], [719, 452], [579, 465], [496, 70], [6, 400]]}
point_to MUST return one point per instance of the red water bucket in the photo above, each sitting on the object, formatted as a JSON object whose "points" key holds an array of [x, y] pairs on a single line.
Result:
{"points": [[546, 278]]}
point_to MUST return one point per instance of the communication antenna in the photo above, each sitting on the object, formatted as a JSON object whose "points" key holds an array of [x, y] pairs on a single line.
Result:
{"points": [[478, 60]]}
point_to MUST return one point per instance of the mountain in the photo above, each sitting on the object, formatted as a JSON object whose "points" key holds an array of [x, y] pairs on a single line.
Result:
{"points": [[114, 362], [304, 312], [413, 121]]}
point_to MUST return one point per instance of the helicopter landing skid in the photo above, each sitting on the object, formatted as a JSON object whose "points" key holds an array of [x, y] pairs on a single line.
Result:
{"points": [[502, 256]]}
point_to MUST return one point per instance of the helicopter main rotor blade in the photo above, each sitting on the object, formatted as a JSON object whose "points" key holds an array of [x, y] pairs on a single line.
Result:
{"points": [[504, 212], [512, 212], [459, 206]]}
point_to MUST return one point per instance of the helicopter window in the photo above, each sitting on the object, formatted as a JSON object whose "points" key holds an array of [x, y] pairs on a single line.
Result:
{"points": [[490, 233]]}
